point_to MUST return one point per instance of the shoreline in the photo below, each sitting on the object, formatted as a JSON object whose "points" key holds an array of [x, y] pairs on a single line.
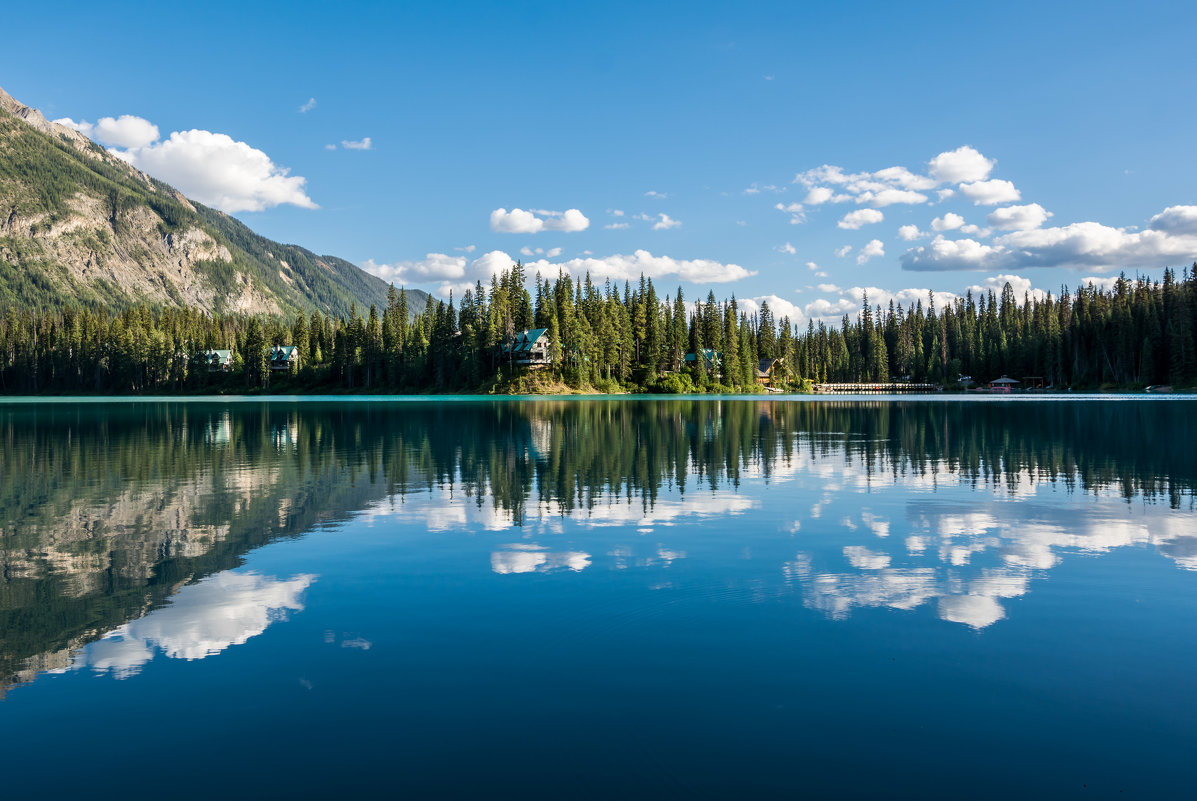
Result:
{"points": [[23, 400]]}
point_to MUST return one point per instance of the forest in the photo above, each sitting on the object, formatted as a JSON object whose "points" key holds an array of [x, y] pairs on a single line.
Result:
{"points": [[612, 338]]}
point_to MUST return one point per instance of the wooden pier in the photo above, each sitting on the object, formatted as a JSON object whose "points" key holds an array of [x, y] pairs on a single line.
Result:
{"points": [[877, 388]]}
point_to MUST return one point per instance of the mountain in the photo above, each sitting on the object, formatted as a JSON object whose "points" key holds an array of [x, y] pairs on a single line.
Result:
{"points": [[78, 225]]}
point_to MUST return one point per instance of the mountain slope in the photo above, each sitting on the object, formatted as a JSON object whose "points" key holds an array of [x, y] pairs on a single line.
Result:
{"points": [[78, 225]]}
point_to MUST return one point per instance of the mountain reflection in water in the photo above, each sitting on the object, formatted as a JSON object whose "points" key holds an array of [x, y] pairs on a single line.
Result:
{"points": [[122, 523]]}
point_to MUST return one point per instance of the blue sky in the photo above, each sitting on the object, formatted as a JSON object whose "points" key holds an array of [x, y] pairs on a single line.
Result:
{"points": [[696, 121]]}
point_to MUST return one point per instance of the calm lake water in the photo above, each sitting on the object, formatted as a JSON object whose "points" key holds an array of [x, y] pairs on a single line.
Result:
{"points": [[811, 598]]}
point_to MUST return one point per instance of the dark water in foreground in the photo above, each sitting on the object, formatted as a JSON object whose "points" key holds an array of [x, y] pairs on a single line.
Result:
{"points": [[599, 599]]}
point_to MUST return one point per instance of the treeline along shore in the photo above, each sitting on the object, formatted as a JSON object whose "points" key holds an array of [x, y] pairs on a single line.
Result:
{"points": [[574, 335]]}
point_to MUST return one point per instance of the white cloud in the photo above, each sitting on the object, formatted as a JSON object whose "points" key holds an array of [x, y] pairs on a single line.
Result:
{"points": [[1019, 218], [890, 197], [1176, 220], [361, 144], [83, 126], [615, 212], [905, 179], [666, 222], [1021, 286], [844, 251], [827, 288], [125, 131], [948, 222], [617, 226], [944, 194], [818, 195], [910, 233], [518, 221], [656, 194], [786, 248], [962, 165], [308, 106], [949, 254], [853, 220], [779, 306], [990, 193], [330, 147], [457, 273], [826, 309], [629, 268], [218, 171], [467, 248], [810, 265], [873, 248], [795, 210]]}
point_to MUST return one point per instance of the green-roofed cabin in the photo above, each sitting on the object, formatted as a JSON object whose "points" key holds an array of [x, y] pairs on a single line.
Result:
{"points": [[219, 361], [284, 357], [529, 348], [712, 360]]}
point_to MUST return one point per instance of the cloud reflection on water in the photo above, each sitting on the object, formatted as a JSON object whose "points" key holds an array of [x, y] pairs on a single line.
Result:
{"points": [[201, 620]]}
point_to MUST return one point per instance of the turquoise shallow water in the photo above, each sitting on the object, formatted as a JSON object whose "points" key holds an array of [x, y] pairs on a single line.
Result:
{"points": [[588, 598]]}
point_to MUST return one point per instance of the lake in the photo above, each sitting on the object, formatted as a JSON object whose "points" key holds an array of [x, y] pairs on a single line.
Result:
{"points": [[599, 598]]}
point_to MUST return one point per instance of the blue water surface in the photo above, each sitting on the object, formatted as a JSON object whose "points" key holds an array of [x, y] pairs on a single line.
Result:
{"points": [[712, 598]]}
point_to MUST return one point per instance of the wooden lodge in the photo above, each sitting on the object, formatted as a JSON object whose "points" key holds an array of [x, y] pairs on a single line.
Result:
{"points": [[529, 348], [769, 373]]}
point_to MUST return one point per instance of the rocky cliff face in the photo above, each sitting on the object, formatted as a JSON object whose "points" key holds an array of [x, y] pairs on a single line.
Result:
{"points": [[78, 224]]}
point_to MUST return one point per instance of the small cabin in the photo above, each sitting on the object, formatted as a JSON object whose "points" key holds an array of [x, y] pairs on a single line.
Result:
{"points": [[530, 348], [712, 360], [769, 372], [283, 357], [219, 361]]}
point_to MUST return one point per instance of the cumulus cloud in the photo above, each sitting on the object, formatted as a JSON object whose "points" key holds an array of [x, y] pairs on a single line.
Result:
{"points": [[910, 233], [1083, 245], [786, 248], [1021, 286], [457, 273], [853, 220], [361, 144], [949, 254], [818, 195], [1176, 220], [948, 222], [656, 194], [125, 131], [844, 251], [308, 106], [1019, 218], [779, 306], [519, 221], [617, 226], [990, 193], [219, 171], [962, 165], [665, 222], [873, 248]]}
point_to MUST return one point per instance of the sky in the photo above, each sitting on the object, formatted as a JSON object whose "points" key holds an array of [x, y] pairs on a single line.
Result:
{"points": [[794, 153]]}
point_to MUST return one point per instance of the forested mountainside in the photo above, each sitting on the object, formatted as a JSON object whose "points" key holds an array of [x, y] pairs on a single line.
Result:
{"points": [[80, 227]]}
